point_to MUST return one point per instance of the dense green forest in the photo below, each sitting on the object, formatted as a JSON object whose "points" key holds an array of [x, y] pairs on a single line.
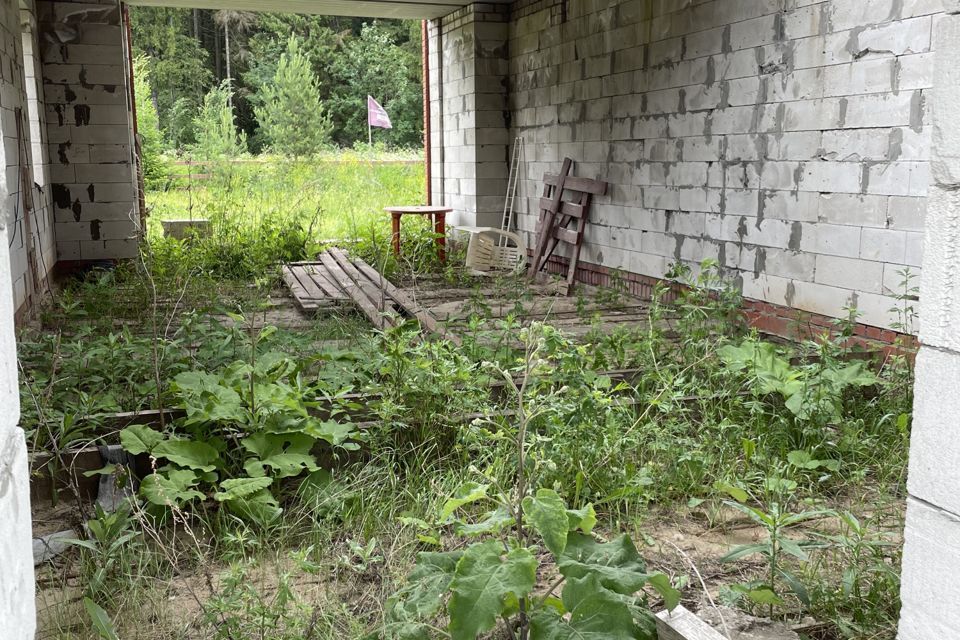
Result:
{"points": [[291, 82]]}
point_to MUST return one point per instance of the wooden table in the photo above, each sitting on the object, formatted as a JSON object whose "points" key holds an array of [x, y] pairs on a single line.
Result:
{"points": [[438, 214]]}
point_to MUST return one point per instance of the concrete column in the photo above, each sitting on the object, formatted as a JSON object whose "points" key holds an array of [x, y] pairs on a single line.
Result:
{"points": [[469, 112], [931, 561], [17, 609]]}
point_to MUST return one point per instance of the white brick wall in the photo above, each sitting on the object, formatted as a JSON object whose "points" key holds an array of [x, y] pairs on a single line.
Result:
{"points": [[797, 129], [468, 108], [89, 131], [19, 91]]}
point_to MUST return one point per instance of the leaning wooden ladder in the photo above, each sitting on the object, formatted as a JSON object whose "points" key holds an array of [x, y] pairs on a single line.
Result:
{"points": [[563, 221]]}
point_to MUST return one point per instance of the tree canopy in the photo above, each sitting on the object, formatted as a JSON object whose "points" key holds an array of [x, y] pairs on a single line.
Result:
{"points": [[338, 62]]}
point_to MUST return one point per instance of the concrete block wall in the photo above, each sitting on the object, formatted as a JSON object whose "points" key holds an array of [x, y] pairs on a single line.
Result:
{"points": [[35, 126], [18, 36], [17, 608], [89, 129], [786, 139], [930, 590], [468, 91]]}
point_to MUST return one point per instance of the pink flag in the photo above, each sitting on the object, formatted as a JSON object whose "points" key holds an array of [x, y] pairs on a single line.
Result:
{"points": [[377, 115]]}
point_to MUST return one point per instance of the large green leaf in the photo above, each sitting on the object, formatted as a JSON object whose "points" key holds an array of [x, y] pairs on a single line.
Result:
{"points": [[335, 433], [206, 399], [188, 453], [617, 564], [485, 582], [855, 374], [492, 523], [139, 438], [261, 507], [595, 613], [236, 488], [584, 519], [171, 488], [286, 454], [547, 512], [421, 599], [467, 493]]}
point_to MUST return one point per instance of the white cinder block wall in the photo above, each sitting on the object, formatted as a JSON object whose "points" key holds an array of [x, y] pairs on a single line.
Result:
{"points": [[787, 139], [931, 562], [20, 88], [468, 69], [89, 130], [17, 609]]}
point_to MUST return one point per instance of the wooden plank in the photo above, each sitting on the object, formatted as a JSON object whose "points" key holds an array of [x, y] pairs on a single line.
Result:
{"points": [[299, 293], [374, 292], [355, 292], [587, 185], [571, 209], [575, 257], [325, 281], [426, 320], [681, 624], [565, 235], [321, 279], [313, 291]]}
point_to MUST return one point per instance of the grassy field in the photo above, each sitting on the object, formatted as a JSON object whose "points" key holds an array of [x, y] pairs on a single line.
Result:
{"points": [[266, 209]]}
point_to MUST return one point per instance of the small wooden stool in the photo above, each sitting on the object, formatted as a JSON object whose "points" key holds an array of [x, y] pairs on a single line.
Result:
{"points": [[439, 216]]}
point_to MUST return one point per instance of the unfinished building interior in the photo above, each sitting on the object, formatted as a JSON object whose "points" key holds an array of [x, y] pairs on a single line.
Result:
{"points": [[808, 147]]}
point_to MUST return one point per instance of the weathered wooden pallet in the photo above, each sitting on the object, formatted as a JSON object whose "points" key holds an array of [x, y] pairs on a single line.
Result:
{"points": [[335, 278], [564, 213], [312, 286]]}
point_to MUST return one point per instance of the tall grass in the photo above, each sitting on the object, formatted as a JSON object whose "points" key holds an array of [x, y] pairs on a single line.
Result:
{"points": [[267, 210]]}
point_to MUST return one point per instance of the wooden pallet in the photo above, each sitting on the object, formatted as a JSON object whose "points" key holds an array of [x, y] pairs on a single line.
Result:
{"points": [[312, 286], [564, 212], [336, 278]]}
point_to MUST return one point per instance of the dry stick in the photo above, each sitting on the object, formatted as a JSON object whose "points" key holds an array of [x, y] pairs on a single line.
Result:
{"points": [[706, 592], [154, 342], [176, 305], [530, 354]]}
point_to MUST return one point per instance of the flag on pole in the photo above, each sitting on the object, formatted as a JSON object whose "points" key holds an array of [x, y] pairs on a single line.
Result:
{"points": [[377, 115]]}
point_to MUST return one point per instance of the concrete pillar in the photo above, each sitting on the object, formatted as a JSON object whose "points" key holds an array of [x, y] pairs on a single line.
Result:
{"points": [[89, 129], [17, 609], [931, 561], [470, 131]]}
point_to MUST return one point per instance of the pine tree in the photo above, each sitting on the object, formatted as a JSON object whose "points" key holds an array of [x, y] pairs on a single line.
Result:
{"points": [[292, 118], [216, 130], [155, 166]]}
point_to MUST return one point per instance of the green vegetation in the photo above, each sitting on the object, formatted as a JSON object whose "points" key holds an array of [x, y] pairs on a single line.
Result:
{"points": [[292, 119], [332, 480], [190, 52], [268, 210]]}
